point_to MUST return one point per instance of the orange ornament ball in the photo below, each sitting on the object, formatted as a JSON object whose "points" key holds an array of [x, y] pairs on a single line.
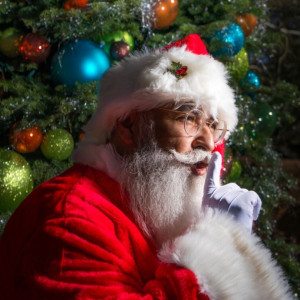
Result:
{"points": [[247, 22], [25, 140], [164, 13], [76, 4], [81, 136]]}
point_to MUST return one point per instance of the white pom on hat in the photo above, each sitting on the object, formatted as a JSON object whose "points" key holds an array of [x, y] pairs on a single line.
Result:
{"points": [[147, 80]]}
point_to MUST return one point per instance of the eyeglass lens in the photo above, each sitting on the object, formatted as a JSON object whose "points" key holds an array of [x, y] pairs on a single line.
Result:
{"points": [[195, 120]]}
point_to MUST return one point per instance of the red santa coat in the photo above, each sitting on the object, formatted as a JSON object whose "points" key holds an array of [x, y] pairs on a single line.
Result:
{"points": [[74, 238]]}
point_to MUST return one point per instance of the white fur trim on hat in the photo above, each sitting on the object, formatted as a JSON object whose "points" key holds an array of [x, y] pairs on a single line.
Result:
{"points": [[141, 82]]}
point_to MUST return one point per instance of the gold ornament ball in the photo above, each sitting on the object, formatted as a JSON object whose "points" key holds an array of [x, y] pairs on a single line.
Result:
{"points": [[57, 144], [15, 179], [164, 13]]}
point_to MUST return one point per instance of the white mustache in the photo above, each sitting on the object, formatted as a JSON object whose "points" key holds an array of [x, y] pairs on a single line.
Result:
{"points": [[193, 157]]}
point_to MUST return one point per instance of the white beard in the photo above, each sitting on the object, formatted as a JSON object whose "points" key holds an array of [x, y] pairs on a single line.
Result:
{"points": [[165, 196]]}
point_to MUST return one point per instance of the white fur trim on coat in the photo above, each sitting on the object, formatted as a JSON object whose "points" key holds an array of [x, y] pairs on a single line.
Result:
{"points": [[229, 263], [141, 82]]}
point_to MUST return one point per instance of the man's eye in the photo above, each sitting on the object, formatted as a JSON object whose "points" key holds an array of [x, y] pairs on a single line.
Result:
{"points": [[191, 118], [212, 125], [180, 117]]}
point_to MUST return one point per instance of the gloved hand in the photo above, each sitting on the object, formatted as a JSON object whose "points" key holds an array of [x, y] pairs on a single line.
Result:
{"points": [[244, 205]]}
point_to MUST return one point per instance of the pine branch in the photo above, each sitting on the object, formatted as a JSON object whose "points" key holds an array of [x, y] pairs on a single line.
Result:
{"points": [[283, 30]]}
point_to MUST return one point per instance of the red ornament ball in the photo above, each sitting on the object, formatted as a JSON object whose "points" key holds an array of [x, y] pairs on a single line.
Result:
{"points": [[34, 48], [75, 4], [119, 50], [164, 13], [25, 140], [247, 22]]}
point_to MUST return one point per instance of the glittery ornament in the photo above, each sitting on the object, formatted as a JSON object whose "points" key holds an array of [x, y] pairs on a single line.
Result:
{"points": [[238, 65], [228, 40], [247, 22], [119, 50], [15, 179], [57, 144], [163, 13], [80, 61], [35, 48], [250, 81], [10, 40], [107, 40], [75, 4], [26, 140], [235, 172], [263, 120]]}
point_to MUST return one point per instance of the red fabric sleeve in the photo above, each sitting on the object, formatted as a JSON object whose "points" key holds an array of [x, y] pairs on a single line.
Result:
{"points": [[221, 149], [87, 248]]}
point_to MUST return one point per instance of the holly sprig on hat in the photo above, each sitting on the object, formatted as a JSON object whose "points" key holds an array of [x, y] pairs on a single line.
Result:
{"points": [[178, 70]]}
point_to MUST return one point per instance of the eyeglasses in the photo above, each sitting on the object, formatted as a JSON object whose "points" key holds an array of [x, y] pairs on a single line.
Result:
{"points": [[195, 120]]}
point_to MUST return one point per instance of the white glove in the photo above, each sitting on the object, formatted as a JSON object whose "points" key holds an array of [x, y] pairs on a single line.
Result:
{"points": [[244, 205]]}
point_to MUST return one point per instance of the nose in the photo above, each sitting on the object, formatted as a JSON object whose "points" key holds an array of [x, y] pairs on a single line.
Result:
{"points": [[204, 139]]}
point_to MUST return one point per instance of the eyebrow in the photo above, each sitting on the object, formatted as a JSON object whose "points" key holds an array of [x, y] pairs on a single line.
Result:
{"points": [[189, 107], [185, 107]]}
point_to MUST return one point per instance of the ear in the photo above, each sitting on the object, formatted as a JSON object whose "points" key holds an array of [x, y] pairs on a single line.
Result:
{"points": [[125, 131]]}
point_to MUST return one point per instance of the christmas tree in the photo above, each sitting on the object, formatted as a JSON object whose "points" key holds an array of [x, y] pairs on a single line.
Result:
{"points": [[53, 54]]}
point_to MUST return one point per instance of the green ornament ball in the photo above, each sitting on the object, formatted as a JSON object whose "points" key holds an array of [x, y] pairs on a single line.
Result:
{"points": [[15, 179], [235, 172], [263, 120], [10, 40], [238, 65], [57, 144], [116, 36]]}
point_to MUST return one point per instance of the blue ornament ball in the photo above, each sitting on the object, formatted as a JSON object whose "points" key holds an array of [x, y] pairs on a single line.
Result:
{"points": [[250, 81], [80, 61], [229, 40]]}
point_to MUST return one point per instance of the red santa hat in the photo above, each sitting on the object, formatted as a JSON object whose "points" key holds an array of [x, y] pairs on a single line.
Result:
{"points": [[181, 72]]}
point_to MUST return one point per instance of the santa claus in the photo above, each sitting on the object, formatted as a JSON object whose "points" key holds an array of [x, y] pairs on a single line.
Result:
{"points": [[142, 213]]}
